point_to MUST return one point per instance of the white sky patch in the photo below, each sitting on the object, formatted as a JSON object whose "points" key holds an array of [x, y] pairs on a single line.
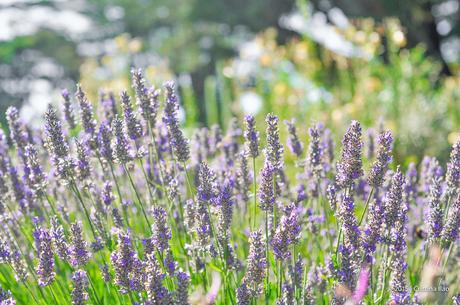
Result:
{"points": [[26, 21]]}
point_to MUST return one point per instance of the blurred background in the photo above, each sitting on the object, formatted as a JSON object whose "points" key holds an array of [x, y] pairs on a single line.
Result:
{"points": [[386, 63]]}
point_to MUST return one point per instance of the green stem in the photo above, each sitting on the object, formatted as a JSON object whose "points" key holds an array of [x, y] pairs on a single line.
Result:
{"points": [[366, 206], [254, 178], [267, 280], [138, 197], [123, 209]]}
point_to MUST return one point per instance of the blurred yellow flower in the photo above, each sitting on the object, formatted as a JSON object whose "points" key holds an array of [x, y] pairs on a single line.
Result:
{"points": [[122, 42], [453, 137], [135, 45]]}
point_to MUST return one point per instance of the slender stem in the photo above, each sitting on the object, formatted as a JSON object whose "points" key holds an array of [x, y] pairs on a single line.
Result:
{"points": [[80, 198], [254, 178], [123, 209], [366, 206], [138, 197], [31, 293], [54, 297], [267, 280], [94, 290]]}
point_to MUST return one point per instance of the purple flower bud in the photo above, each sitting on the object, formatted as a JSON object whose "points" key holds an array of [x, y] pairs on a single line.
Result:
{"points": [[315, 153], [371, 235], [256, 264], [456, 299], [133, 125], [86, 111], [80, 284], [107, 195], [252, 136], [224, 202], [126, 264], [43, 245], [242, 295], [17, 132], [156, 292], [147, 99], [293, 141], [274, 150], [68, 109], [57, 144], [266, 192], [123, 152], [83, 165], [380, 165], [179, 143], [436, 214], [79, 255], [451, 229], [393, 201], [181, 294], [104, 142], [36, 178], [350, 229], [398, 264], [453, 169], [350, 166], [370, 143], [286, 234], [6, 298], [161, 232], [59, 239]]}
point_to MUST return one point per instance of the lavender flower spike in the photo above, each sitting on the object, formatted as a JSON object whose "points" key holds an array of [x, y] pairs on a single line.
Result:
{"points": [[286, 234], [146, 99], [68, 111], [274, 150], [380, 165], [156, 292], [79, 249], [179, 143], [57, 145], [393, 201], [256, 264], [133, 125], [161, 232], [350, 166], [123, 153], [315, 153], [252, 136], [398, 264], [43, 245], [126, 264], [104, 142], [17, 133], [59, 239], [266, 193], [453, 170], [79, 294], [451, 229], [293, 141], [436, 214], [181, 294], [83, 165], [36, 179], [86, 111]]}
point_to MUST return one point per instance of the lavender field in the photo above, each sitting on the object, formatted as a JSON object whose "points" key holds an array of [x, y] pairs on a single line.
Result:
{"points": [[112, 202]]}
